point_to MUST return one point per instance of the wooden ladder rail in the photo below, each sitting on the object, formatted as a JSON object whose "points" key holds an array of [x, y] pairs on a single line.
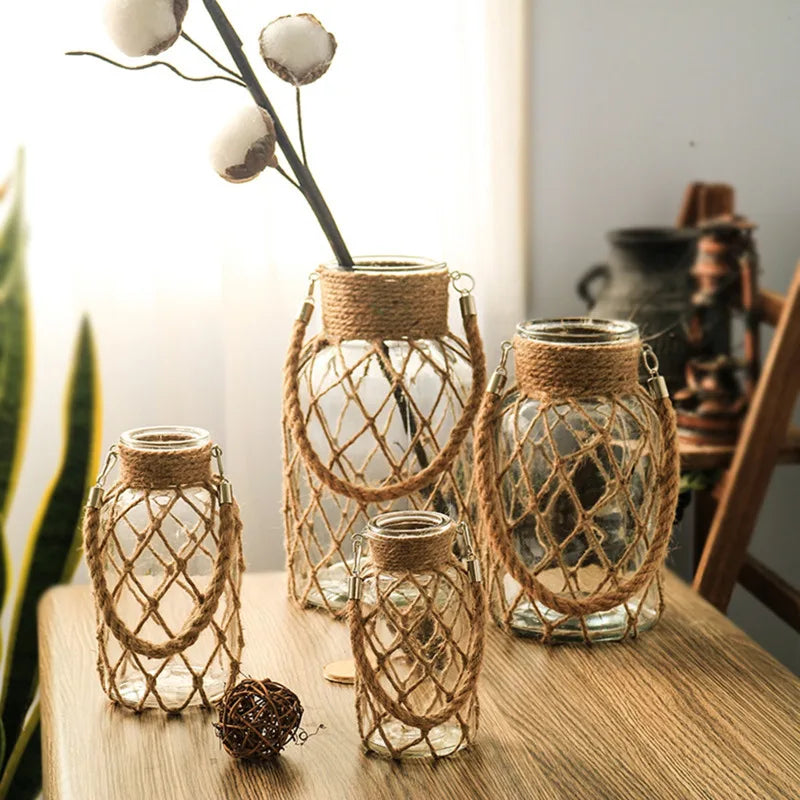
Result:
{"points": [[725, 559]]}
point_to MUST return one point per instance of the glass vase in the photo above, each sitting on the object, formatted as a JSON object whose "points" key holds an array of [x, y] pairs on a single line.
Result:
{"points": [[578, 471], [417, 621], [378, 410], [163, 546]]}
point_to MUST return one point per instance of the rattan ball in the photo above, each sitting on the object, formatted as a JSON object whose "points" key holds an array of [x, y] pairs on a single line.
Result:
{"points": [[257, 719]]}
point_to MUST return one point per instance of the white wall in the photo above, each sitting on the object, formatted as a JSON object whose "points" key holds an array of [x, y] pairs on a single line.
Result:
{"points": [[192, 283], [632, 100]]}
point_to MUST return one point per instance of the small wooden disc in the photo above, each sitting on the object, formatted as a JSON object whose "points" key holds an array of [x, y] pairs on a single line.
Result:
{"points": [[340, 671]]}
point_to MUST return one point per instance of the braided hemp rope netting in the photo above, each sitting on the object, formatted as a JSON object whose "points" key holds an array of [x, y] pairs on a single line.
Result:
{"points": [[373, 422], [165, 561], [418, 646], [577, 489]]}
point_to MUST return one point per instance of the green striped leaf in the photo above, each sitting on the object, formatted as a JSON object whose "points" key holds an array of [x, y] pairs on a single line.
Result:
{"points": [[22, 779], [53, 547], [14, 360]]}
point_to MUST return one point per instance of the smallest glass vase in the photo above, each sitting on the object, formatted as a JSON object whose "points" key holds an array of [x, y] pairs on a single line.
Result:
{"points": [[163, 547], [416, 619]]}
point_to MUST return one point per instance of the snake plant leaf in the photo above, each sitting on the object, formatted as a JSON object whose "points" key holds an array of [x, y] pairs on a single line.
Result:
{"points": [[14, 360], [53, 548], [22, 779]]}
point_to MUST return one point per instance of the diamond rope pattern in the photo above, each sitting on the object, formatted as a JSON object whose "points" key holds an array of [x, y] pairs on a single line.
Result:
{"points": [[579, 497], [160, 546], [354, 420], [418, 630]]}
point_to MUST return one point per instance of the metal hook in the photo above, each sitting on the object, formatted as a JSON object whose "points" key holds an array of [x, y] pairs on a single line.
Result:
{"points": [[312, 279], [650, 360], [355, 581], [498, 380], [225, 487], [216, 451], [470, 559], [505, 348], [455, 277], [656, 384], [111, 459], [95, 498]]}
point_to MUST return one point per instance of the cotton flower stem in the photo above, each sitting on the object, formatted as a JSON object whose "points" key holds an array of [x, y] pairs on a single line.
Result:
{"points": [[281, 171], [314, 197], [304, 177], [300, 125], [166, 64], [211, 58]]}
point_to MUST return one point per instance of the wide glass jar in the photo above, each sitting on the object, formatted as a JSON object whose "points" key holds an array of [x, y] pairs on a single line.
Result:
{"points": [[377, 414], [576, 472], [164, 554], [417, 621]]}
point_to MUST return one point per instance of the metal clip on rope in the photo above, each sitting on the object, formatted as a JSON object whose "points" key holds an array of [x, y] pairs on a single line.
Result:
{"points": [[307, 309], [355, 583], [656, 384], [466, 301], [95, 498], [500, 376], [470, 559], [225, 487]]}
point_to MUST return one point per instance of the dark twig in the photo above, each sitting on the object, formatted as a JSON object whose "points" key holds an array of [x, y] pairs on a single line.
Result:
{"points": [[300, 126], [157, 64], [301, 171], [282, 171], [310, 190], [211, 58]]}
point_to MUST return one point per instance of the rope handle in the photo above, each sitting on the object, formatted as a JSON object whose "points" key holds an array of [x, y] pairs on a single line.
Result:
{"points": [[441, 462], [474, 658], [229, 529], [494, 519]]}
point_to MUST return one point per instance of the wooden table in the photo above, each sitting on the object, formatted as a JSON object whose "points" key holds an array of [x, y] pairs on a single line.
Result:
{"points": [[694, 709]]}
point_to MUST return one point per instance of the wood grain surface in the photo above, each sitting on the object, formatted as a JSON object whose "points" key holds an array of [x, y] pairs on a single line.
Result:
{"points": [[694, 709]]}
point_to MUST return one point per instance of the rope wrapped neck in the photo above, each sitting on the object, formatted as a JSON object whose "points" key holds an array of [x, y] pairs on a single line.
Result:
{"points": [[161, 469], [585, 370], [411, 553], [384, 305]]}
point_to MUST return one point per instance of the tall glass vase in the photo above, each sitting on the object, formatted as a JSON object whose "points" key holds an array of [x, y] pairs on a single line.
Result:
{"points": [[378, 411]]}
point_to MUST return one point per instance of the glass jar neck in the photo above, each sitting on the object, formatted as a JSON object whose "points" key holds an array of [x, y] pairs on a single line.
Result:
{"points": [[408, 525], [391, 264], [411, 541], [579, 330], [165, 437]]}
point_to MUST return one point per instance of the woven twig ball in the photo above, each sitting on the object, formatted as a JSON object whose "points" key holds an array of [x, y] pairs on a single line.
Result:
{"points": [[257, 719]]}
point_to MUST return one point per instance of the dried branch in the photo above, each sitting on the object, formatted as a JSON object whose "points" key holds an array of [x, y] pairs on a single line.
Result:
{"points": [[166, 64], [300, 126], [211, 58]]}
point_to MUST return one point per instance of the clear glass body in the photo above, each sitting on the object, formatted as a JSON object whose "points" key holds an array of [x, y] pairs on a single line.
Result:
{"points": [[606, 486], [182, 535], [350, 384], [430, 610]]}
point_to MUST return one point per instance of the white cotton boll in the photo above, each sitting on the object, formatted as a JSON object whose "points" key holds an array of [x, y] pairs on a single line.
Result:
{"points": [[245, 147], [145, 27], [297, 48]]}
